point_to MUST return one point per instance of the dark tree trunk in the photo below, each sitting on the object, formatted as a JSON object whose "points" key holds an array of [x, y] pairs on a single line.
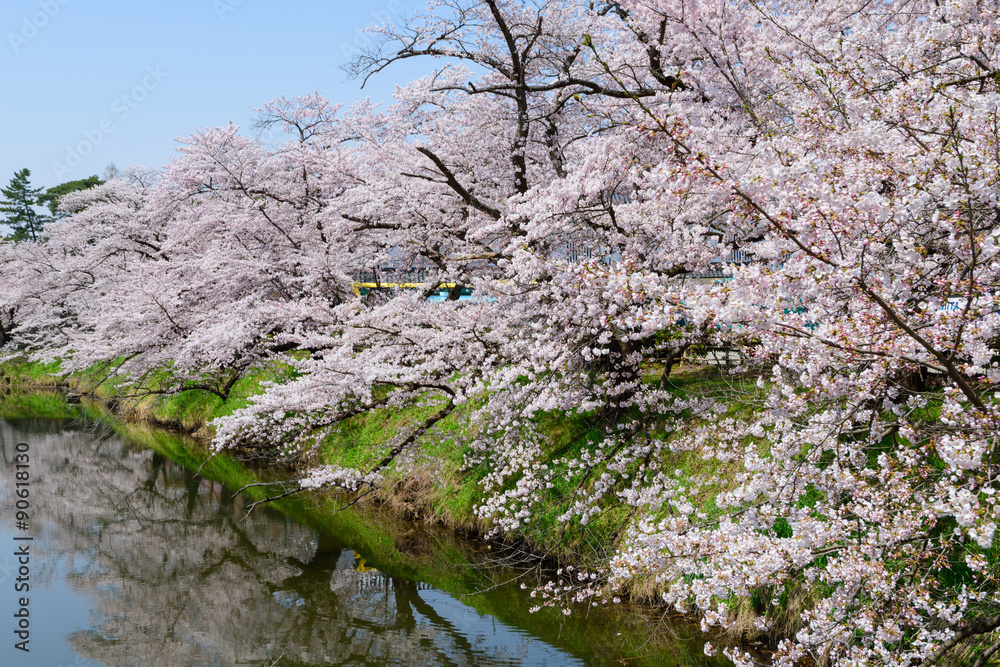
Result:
{"points": [[673, 357]]}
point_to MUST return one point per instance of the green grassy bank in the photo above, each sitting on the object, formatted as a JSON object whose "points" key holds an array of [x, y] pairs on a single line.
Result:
{"points": [[430, 482]]}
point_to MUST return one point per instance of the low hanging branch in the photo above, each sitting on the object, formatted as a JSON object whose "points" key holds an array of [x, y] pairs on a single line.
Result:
{"points": [[423, 428], [978, 626], [267, 499]]}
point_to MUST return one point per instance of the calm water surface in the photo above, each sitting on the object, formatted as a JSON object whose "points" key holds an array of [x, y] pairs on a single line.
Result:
{"points": [[138, 560]]}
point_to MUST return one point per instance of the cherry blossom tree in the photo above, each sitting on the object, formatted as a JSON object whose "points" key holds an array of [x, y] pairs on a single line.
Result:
{"points": [[861, 160]]}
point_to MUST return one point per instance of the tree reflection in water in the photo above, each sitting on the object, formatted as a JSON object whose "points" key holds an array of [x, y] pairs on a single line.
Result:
{"points": [[175, 576]]}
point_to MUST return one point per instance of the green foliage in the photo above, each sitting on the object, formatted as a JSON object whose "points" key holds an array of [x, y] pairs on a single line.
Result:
{"points": [[782, 528], [19, 203], [51, 197]]}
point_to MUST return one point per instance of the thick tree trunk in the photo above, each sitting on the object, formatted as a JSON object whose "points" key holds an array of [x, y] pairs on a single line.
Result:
{"points": [[673, 357]]}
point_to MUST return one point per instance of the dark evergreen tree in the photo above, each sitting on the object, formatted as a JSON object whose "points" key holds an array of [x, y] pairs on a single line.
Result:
{"points": [[51, 197], [19, 201]]}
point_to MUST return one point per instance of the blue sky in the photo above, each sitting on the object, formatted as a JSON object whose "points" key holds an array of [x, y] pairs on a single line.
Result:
{"points": [[90, 82]]}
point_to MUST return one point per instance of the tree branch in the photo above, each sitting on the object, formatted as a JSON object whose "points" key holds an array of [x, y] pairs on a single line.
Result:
{"points": [[453, 183]]}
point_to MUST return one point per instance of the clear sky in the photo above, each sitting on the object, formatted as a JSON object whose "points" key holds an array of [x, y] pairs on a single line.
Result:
{"points": [[90, 82]]}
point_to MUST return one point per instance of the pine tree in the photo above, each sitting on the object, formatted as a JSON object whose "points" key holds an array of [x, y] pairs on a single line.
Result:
{"points": [[51, 197], [19, 204]]}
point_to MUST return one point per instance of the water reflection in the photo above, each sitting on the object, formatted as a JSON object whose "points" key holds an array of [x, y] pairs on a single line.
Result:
{"points": [[172, 574]]}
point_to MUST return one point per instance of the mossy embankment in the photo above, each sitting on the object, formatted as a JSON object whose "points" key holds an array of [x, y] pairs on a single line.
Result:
{"points": [[431, 481]]}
